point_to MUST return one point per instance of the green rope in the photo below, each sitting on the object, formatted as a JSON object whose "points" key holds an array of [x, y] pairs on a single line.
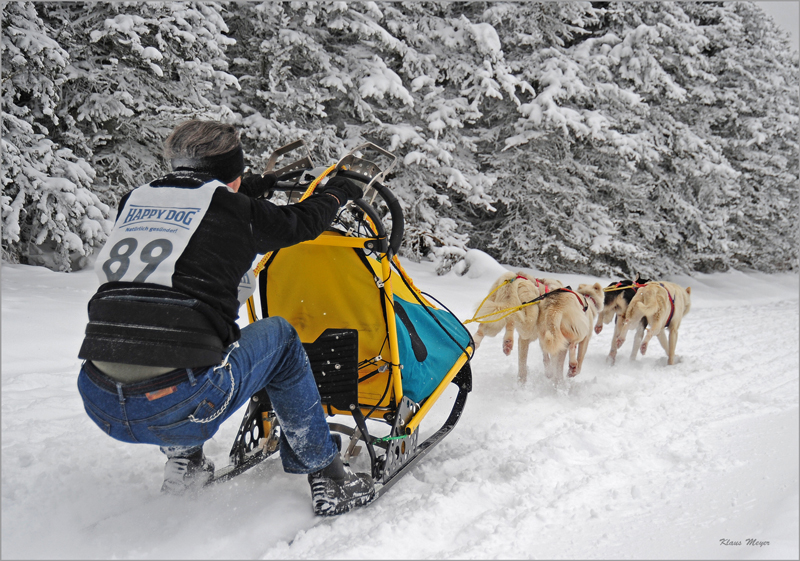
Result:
{"points": [[388, 438]]}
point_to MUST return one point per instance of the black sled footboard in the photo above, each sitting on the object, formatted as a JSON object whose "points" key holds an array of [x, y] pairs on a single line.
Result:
{"points": [[334, 362]]}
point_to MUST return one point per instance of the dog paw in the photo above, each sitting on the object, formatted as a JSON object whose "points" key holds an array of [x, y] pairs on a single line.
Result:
{"points": [[611, 359], [508, 346], [572, 371], [619, 342], [643, 348], [598, 329]]}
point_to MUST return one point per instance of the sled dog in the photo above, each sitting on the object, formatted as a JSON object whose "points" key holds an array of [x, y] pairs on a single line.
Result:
{"points": [[663, 305], [507, 292], [565, 325], [618, 296]]}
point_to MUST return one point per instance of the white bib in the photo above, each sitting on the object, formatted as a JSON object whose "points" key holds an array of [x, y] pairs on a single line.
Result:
{"points": [[247, 287], [152, 233]]}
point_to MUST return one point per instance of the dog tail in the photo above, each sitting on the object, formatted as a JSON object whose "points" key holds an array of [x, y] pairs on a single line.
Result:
{"points": [[551, 339], [642, 307]]}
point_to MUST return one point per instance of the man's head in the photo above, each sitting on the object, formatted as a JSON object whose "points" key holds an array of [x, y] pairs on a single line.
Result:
{"points": [[209, 147]]}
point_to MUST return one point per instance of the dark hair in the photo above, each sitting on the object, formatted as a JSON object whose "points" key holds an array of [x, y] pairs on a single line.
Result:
{"points": [[207, 147], [199, 139]]}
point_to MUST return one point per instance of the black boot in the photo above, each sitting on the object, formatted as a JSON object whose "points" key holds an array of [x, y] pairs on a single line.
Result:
{"points": [[336, 490]]}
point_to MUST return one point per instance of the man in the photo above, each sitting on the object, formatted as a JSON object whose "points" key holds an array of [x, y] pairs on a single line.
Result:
{"points": [[165, 361]]}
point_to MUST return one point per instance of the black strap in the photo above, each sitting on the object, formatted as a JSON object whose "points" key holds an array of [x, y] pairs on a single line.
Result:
{"points": [[556, 291], [446, 331], [419, 348]]}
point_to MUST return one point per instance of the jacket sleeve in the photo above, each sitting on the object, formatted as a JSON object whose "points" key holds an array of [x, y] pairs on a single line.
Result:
{"points": [[276, 226]]}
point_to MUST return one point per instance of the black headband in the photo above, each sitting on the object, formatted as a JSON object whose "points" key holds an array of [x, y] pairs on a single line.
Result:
{"points": [[225, 167]]}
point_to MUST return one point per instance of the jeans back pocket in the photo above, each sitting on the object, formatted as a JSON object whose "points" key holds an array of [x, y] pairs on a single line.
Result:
{"points": [[187, 432]]}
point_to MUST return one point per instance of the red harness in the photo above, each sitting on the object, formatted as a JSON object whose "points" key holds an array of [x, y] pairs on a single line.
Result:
{"points": [[584, 304], [546, 288], [671, 303], [548, 292], [634, 285]]}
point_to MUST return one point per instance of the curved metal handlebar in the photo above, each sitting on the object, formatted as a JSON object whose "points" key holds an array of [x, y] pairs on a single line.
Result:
{"points": [[395, 210], [291, 178], [290, 182]]}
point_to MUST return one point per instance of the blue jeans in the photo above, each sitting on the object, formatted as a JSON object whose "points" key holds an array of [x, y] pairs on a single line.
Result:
{"points": [[269, 355]]}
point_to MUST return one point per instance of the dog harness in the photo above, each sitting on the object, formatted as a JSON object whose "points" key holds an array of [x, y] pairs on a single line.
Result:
{"points": [[508, 311], [671, 303], [621, 286], [584, 304], [546, 288], [587, 304]]}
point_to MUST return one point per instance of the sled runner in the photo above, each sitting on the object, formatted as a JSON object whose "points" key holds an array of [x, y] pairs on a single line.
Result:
{"points": [[382, 352]]}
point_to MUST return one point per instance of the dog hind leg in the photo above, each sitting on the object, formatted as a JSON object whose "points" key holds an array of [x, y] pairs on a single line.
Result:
{"points": [[558, 365], [636, 311], [653, 329], [552, 341], [522, 353], [572, 371], [478, 337], [673, 342], [662, 338], [508, 338], [612, 354], [583, 346], [637, 340], [619, 340], [547, 359]]}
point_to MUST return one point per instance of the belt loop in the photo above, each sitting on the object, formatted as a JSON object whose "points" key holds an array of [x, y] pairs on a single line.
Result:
{"points": [[192, 379], [119, 392]]}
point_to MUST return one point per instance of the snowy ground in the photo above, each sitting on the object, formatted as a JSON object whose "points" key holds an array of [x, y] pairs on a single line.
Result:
{"points": [[637, 461]]}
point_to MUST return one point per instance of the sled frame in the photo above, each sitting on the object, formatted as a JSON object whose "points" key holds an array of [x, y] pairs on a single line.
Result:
{"points": [[333, 356]]}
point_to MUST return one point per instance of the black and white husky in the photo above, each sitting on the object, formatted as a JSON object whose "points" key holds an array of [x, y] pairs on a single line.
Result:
{"points": [[618, 296]]}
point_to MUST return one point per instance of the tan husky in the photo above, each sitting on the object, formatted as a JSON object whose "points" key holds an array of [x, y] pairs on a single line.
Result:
{"points": [[508, 292], [663, 305], [565, 325]]}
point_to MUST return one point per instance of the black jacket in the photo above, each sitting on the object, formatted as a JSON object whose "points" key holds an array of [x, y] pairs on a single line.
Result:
{"points": [[190, 323]]}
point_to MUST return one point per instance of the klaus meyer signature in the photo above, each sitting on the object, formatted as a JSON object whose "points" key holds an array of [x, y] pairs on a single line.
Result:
{"points": [[749, 541]]}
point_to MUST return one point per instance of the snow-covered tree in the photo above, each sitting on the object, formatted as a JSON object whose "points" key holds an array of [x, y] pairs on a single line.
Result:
{"points": [[631, 109], [137, 69], [753, 111], [90, 91], [597, 137], [413, 78], [50, 215]]}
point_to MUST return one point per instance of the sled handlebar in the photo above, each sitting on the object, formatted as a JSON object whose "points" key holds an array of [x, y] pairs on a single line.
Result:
{"points": [[291, 182]]}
